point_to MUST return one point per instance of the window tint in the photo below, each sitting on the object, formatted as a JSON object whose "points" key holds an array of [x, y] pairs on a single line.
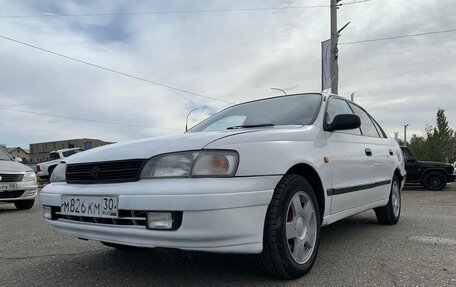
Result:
{"points": [[54, 155], [338, 107], [226, 122], [379, 129], [70, 152], [285, 110], [407, 154], [367, 126], [4, 155]]}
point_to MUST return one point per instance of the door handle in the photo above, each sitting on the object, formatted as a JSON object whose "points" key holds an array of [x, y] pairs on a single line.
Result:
{"points": [[391, 152], [368, 151]]}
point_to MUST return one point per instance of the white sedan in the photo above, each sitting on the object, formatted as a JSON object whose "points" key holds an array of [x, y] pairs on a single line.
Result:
{"points": [[260, 177], [17, 182]]}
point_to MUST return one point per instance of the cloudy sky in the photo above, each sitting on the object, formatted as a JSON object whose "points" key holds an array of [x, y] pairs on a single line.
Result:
{"points": [[233, 56]]}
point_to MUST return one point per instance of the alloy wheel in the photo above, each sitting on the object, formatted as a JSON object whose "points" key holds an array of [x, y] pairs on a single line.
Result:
{"points": [[301, 227]]}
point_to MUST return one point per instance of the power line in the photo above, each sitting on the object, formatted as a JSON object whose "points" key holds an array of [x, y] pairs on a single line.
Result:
{"points": [[165, 12], [178, 11], [87, 120], [353, 2], [399, 37], [113, 71]]}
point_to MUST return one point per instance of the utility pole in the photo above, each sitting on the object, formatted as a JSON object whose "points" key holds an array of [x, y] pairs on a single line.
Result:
{"points": [[405, 134], [334, 49]]}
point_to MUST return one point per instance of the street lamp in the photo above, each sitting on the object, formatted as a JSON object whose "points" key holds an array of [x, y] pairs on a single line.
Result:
{"points": [[277, 89], [405, 134], [186, 120]]}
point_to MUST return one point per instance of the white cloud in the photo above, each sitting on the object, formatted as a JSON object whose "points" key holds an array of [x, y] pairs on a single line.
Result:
{"points": [[234, 56]]}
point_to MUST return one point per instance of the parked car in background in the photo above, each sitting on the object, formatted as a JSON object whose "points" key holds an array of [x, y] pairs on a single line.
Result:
{"points": [[431, 175], [17, 182], [260, 177], [44, 169]]}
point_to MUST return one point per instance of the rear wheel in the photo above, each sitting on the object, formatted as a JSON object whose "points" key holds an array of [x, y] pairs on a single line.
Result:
{"points": [[24, 204], [292, 229], [435, 181], [390, 213]]}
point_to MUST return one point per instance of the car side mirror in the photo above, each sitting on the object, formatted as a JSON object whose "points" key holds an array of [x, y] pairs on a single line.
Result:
{"points": [[344, 122], [18, 159]]}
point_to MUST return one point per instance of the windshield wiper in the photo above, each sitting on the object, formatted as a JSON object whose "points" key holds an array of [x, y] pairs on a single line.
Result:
{"points": [[249, 126]]}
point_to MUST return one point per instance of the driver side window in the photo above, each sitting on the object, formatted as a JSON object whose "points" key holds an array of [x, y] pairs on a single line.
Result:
{"points": [[337, 107]]}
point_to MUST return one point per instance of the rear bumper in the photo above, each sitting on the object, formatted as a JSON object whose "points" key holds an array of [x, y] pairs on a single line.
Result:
{"points": [[218, 215]]}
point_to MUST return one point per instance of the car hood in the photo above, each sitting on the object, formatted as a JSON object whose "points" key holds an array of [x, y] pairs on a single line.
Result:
{"points": [[147, 148], [433, 164], [12, 166]]}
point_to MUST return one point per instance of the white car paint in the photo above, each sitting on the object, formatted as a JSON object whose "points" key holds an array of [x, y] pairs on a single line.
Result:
{"points": [[28, 189], [228, 214], [42, 169]]}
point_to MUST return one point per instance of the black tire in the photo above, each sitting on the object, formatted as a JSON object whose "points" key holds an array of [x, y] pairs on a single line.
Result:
{"points": [[119, 246], [276, 259], [24, 204], [385, 215], [434, 181]]}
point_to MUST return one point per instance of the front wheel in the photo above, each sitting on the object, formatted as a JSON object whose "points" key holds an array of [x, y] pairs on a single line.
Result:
{"points": [[435, 181], [24, 204], [292, 229], [390, 213]]}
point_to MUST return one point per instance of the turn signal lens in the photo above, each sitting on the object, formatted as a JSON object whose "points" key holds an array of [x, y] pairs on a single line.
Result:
{"points": [[215, 163]]}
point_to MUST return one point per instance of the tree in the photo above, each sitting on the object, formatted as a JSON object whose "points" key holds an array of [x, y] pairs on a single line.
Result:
{"points": [[439, 142]]}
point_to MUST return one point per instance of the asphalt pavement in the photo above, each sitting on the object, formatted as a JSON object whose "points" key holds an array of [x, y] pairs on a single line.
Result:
{"points": [[419, 251]]}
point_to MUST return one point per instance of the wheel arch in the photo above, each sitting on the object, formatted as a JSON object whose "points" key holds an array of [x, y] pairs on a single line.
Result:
{"points": [[397, 173], [312, 176], [432, 169]]}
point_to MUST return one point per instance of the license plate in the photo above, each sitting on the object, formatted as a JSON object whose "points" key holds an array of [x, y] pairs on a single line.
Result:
{"points": [[90, 206], [7, 187]]}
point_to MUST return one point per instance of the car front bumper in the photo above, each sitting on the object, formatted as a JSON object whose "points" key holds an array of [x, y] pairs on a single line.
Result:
{"points": [[452, 177], [25, 190], [218, 214]]}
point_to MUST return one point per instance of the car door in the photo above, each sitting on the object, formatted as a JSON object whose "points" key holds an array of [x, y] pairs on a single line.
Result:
{"points": [[382, 154], [352, 164], [411, 165]]}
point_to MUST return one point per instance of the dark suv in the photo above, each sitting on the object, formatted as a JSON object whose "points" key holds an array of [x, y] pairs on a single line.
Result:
{"points": [[432, 175]]}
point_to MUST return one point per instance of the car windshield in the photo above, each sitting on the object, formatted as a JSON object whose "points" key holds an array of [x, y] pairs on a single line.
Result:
{"points": [[4, 155], [286, 110]]}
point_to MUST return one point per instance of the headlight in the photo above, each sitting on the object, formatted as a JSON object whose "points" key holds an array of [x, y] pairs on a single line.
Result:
{"points": [[29, 176], [210, 163], [215, 163], [58, 174]]}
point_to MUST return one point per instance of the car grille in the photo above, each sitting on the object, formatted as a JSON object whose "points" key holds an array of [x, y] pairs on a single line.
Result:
{"points": [[126, 217], [11, 194], [104, 172], [11, 177]]}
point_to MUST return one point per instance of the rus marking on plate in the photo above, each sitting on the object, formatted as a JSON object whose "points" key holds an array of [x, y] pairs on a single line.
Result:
{"points": [[433, 240]]}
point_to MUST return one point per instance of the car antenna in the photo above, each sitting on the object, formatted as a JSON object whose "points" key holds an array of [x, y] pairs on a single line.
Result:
{"points": [[186, 120]]}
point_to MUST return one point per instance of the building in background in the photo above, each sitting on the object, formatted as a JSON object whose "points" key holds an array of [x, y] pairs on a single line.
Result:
{"points": [[18, 152], [39, 152]]}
